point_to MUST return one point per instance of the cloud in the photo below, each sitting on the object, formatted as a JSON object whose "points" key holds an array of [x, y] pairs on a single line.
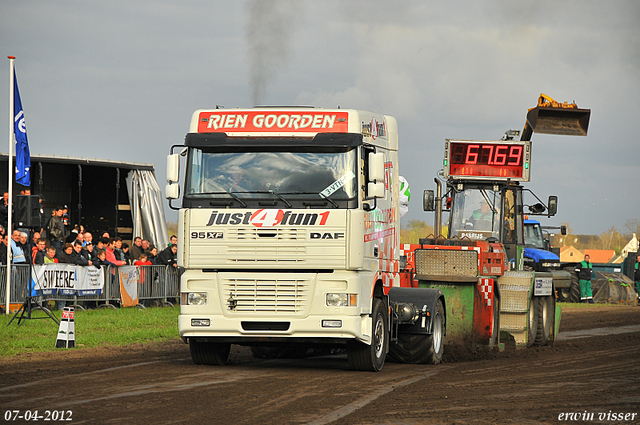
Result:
{"points": [[120, 80]]}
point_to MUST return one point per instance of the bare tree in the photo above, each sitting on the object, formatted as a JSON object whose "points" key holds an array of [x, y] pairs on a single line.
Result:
{"points": [[612, 239], [632, 226]]}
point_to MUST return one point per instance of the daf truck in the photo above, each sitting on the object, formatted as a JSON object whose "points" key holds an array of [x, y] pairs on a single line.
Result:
{"points": [[289, 237]]}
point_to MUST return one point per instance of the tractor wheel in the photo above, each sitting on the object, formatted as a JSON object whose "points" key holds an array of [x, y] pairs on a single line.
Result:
{"points": [[371, 357], [575, 288], [545, 319], [571, 294], [534, 318], [209, 353], [282, 352], [421, 349]]}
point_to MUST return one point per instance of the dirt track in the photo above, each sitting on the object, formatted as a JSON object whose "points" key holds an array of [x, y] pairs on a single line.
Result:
{"points": [[158, 383]]}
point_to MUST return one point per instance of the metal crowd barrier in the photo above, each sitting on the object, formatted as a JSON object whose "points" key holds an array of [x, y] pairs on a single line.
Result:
{"points": [[157, 285]]}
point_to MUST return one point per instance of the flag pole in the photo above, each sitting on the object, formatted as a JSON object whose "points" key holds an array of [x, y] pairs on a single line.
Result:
{"points": [[10, 186]]}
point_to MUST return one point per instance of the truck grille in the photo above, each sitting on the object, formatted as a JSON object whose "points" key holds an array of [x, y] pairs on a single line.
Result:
{"points": [[246, 295], [255, 233], [446, 262]]}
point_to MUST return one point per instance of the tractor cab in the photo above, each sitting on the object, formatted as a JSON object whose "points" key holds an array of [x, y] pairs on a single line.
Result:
{"points": [[487, 212]]}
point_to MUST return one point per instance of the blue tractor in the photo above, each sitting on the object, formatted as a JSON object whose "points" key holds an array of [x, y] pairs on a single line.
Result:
{"points": [[539, 256]]}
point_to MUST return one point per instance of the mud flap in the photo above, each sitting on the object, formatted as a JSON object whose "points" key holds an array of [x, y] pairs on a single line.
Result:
{"points": [[485, 309], [458, 308]]}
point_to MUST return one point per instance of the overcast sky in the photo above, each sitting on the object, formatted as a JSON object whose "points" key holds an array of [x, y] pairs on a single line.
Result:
{"points": [[120, 80]]}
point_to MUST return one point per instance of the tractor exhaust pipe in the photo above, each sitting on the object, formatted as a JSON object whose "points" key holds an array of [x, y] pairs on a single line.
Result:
{"points": [[437, 220]]}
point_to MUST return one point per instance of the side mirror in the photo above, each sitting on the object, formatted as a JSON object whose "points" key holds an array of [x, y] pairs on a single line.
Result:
{"points": [[173, 168], [428, 201], [376, 167], [172, 191], [563, 230], [553, 205], [375, 190]]}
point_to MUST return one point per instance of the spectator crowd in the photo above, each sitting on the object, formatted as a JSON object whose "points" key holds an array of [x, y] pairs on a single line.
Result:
{"points": [[55, 243]]}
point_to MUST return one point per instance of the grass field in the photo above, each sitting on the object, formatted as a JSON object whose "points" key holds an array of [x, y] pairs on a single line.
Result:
{"points": [[93, 328]]}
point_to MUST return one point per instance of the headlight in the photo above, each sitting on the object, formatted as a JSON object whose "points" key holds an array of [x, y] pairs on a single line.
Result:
{"points": [[551, 265], [193, 298], [342, 300]]}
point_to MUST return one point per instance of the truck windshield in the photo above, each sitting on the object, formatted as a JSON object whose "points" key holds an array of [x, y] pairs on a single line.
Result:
{"points": [[533, 235], [267, 173], [475, 214]]}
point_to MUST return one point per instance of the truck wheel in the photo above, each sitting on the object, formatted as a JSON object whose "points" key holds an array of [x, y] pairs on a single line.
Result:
{"points": [[371, 357], [209, 353], [534, 318], [421, 349], [265, 352], [545, 319]]}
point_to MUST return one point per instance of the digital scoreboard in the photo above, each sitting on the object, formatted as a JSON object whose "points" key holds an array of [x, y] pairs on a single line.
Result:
{"points": [[481, 159]]}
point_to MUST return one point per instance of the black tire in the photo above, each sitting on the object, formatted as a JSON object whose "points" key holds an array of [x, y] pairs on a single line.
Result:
{"points": [[371, 357], [534, 318], [546, 307], [421, 349], [575, 288], [266, 352], [209, 353], [551, 302]]}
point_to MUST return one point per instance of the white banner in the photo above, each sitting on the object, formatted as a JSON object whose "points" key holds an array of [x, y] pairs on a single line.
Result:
{"points": [[67, 279], [128, 285]]}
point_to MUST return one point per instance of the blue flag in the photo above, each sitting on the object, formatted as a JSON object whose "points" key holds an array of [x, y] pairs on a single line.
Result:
{"points": [[23, 157]]}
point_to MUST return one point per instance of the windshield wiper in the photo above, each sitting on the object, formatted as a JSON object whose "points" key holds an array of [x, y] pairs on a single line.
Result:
{"points": [[244, 205], [301, 193], [287, 203], [271, 192], [328, 199], [240, 201], [486, 198]]}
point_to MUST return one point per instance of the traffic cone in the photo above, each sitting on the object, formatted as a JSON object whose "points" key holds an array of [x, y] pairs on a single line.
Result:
{"points": [[66, 330]]}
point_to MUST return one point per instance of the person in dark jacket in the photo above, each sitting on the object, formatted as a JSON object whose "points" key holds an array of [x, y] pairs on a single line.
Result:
{"points": [[79, 256], [152, 255], [584, 270], [40, 252], [136, 249], [56, 229], [101, 259], [169, 256], [65, 255], [118, 251], [3, 250], [90, 250]]}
